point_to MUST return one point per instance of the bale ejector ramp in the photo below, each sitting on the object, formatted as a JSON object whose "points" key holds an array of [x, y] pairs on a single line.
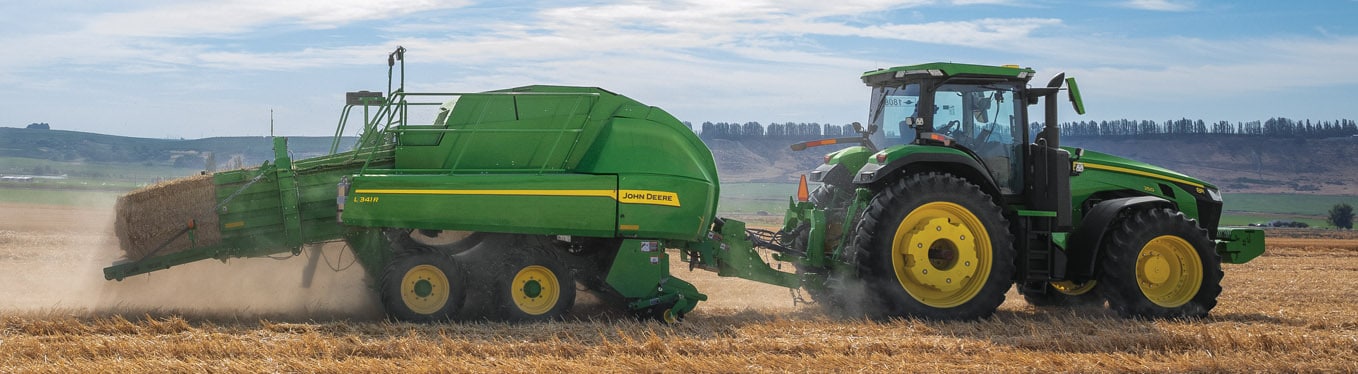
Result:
{"points": [[271, 209]]}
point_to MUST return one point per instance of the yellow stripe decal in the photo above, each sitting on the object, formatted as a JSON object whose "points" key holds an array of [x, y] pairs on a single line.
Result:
{"points": [[585, 193], [649, 197], [1141, 173]]}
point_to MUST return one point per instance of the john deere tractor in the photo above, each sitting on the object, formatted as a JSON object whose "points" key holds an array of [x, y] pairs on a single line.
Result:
{"points": [[948, 197]]}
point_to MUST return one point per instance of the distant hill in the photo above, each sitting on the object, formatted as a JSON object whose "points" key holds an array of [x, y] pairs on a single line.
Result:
{"points": [[1236, 163], [75, 146]]}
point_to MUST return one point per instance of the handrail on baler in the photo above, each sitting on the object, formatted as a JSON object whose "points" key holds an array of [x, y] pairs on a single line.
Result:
{"points": [[394, 114]]}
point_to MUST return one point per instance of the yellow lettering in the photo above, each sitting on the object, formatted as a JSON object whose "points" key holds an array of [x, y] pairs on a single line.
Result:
{"points": [[665, 198]]}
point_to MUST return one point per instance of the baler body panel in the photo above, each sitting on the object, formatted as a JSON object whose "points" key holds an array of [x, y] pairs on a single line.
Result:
{"points": [[552, 204], [544, 160]]}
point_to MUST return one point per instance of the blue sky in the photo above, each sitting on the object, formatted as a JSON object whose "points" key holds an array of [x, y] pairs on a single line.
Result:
{"points": [[191, 69]]}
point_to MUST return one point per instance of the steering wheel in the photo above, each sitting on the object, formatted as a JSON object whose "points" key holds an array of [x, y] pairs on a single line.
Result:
{"points": [[948, 127]]}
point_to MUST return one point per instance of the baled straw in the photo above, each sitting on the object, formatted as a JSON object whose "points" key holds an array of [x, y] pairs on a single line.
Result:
{"points": [[149, 216]]}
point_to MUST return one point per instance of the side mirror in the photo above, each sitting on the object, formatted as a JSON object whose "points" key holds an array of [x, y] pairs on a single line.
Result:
{"points": [[857, 127], [872, 129], [1073, 91]]}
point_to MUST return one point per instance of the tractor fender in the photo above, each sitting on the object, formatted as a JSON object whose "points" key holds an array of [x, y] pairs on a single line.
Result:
{"points": [[953, 163], [832, 174], [1085, 244]]}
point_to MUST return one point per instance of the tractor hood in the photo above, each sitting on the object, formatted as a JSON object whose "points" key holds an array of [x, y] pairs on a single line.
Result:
{"points": [[1107, 162]]}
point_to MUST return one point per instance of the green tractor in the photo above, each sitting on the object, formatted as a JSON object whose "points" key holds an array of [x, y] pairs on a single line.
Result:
{"points": [[948, 197]]}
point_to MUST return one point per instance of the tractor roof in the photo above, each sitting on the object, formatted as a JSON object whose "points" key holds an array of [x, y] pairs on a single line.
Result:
{"points": [[948, 69]]}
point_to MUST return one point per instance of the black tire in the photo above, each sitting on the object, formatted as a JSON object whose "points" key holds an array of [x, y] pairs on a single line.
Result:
{"points": [[422, 285], [533, 284], [951, 223], [1065, 294], [451, 242], [663, 313], [1157, 263]]}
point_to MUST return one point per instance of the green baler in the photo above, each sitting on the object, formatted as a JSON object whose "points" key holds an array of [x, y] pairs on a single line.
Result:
{"points": [[541, 187], [507, 199]]}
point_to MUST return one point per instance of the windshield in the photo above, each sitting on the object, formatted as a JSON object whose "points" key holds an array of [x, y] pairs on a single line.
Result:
{"points": [[890, 107], [982, 117]]}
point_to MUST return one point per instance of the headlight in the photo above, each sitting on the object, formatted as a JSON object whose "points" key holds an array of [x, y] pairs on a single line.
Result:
{"points": [[1212, 193]]}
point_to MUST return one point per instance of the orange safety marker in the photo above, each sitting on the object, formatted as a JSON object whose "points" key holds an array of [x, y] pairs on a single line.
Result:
{"points": [[802, 194]]}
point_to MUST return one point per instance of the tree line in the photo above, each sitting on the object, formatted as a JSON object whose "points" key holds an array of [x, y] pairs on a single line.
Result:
{"points": [[1272, 127], [748, 130]]}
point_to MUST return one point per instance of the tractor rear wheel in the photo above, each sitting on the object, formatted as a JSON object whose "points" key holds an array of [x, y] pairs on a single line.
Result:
{"points": [[422, 285], [934, 246], [1159, 264]]}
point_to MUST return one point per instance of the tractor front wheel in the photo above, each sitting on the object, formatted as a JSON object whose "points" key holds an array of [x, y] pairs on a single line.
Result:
{"points": [[1159, 264], [934, 246]]}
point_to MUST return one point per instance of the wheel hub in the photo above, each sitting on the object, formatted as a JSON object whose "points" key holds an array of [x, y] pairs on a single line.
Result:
{"points": [[1157, 269], [535, 290], [941, 255], [1169, 271], [425, 289], [532, 288]]}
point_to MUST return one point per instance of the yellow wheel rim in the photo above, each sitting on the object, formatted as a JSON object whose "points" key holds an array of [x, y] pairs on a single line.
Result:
{"points": [[536, 290], [1169, 271], [1072, 288], [424, 289], [942, 254]]}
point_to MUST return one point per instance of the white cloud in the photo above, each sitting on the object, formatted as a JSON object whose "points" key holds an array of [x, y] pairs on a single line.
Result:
{"points": [[1159, 5], [153, 39], [762, 60], [216, 18]]}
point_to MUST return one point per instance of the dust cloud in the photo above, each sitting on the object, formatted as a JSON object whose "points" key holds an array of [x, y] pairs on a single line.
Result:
{"points": [[52, 259]]}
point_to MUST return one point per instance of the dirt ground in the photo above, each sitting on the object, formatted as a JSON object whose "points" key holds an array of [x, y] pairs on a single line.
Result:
{"points": [[1289, 310]]}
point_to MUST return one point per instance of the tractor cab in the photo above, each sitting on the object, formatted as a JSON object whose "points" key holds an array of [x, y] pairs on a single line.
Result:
{"points": [[980, 115]]}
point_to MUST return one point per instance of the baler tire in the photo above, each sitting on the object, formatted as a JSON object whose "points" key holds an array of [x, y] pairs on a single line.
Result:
{"points": [[533, 285], [663, 313], [1085, 294], [409, 240], [924, 204], [1157, 263], [422, 285]]}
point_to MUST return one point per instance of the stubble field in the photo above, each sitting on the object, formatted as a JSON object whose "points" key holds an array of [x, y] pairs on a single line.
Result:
{"points": [[1290, 310]]}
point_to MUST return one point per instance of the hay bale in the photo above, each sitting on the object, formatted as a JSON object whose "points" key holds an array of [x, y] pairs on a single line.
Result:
{"points": [[147, 217]]}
